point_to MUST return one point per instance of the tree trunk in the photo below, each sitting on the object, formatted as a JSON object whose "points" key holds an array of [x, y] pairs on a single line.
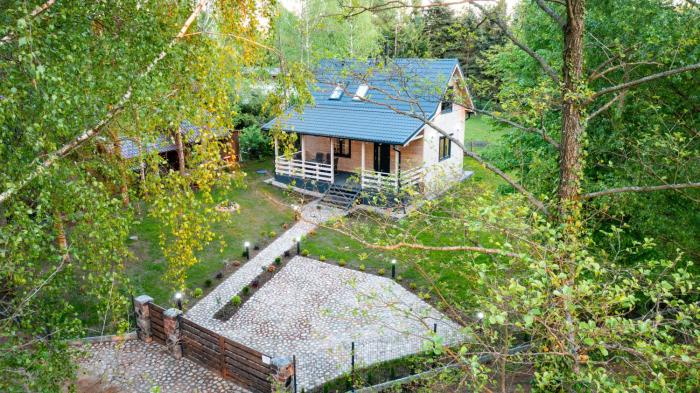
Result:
{"points": [[180, 152], [572, 130]]}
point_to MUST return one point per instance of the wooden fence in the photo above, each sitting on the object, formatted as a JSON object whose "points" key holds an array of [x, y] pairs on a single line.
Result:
{"points": [[245, 366]]}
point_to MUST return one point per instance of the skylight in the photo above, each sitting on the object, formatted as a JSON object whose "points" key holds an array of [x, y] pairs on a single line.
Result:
{"points": [[337, 92], [361, 92]]}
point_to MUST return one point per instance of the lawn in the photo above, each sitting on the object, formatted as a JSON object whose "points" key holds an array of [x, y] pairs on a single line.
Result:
{"points": [[263, 208]]}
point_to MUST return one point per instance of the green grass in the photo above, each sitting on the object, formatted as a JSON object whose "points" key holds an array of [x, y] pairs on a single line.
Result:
{"points": [[259, 212], [480, 129]]}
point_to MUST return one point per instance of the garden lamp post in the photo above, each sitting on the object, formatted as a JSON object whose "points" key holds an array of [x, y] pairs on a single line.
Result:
{"points": [[247, 250], [480, 315], [393, 268], [298, 240], [178, 298]]}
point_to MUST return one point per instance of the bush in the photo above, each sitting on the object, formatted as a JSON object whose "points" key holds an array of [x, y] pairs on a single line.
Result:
{"points": [[197, 292], [278, 261], [254, 142], [381, 271], [236, 300], [273, 234], [399, 278], [362, 267], [263, 233], [341, 262], [207, 282], [322, 258], [271, 268], [413, 285], [246, 290], [305, 252]]}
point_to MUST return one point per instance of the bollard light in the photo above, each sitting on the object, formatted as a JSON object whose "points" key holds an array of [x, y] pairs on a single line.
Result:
{"points": [[178, 298], [480, 315], [393, 268], [247, 250], [298, 240]]}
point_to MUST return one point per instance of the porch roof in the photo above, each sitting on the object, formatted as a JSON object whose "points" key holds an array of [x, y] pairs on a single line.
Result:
{"points": [[364, 125]]}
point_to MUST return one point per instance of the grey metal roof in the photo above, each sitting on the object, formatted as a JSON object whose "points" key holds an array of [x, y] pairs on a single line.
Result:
{"points": [[408, 85], [165, 143]]}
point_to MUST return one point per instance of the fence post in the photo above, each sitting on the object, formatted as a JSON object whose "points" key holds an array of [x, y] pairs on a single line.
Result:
{"points": [[283, 373], [143, 317], [171, 327], [352, 366]]}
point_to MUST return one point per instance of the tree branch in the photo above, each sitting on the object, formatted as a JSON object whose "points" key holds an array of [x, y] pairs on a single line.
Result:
{"points": [[606, 106], [88, 134], [37, 11], [551, 13], [640, 189], [542, 62], [533, 130], [646, 79]]}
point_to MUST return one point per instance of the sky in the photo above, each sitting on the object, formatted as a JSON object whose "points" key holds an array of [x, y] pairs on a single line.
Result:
{"points": [[295, 5]]}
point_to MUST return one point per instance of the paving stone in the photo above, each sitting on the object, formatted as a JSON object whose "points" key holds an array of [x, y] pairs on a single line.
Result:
{"points": [[135, 366]]}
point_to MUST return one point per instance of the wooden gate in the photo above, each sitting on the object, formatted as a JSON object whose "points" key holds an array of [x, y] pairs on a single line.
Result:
{"points": [[244, 365], [156, 316]]}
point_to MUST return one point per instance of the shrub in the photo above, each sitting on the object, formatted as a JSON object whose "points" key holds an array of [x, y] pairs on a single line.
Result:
{"points": [[197, 292], [287, 254], [278, 261], [341, 262], [322, 258], [255, 283], [207, 282], [246, 290], [236, 300], [256, 247], [273, 234], [271, 268], [305, 252], [362, 267], [413, 285], [219, 275], [399, 278], [381, 271], [244, 254], [263, 233], [254, 142]]}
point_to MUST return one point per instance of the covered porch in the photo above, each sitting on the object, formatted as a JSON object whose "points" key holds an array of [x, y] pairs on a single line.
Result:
{"points": [[366, 165]]}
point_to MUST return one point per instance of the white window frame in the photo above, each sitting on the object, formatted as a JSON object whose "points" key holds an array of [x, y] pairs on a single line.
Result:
{"points": [[361, 92]]}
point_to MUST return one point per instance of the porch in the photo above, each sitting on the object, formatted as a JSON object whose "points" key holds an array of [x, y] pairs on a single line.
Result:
{"points": [[351, 163]]}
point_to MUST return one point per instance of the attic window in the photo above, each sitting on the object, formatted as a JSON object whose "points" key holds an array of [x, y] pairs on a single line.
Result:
{"points": [[337, 92], [361, 92]]}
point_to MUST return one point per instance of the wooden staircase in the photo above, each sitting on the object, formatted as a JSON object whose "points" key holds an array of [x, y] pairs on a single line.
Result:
{"points": [[338, 196]]}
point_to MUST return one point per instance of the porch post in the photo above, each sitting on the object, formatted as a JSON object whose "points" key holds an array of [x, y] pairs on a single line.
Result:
{"points": [[397, 162], [332, 161], [303, 158], [362, 173]]}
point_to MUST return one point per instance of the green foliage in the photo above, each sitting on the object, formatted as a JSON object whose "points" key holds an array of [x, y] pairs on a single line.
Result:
{"points": [[255, 143], [381, 271], [362, 267], [322, 258], [305, 252], [236, 300], [278, 261], [197, 292]]}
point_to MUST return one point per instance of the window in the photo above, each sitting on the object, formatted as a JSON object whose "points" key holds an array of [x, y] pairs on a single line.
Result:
{"points": [[445, 148], [341, 147], [337, 92], [446, 103], [361, 92]]}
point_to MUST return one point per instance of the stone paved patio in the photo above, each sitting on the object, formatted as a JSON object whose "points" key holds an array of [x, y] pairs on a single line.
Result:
{"points": [[134, 366], [314, 310]]}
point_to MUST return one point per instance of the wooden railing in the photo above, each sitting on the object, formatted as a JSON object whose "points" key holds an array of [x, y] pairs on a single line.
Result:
{"points": [[311, 170], [382, 181]]}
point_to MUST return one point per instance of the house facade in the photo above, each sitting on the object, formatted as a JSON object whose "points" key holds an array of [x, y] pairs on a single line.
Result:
{"points": [[367, 127]]}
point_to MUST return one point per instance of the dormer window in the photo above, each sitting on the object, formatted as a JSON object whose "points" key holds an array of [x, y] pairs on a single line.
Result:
{"points": [[361, 92], [337, 92]]}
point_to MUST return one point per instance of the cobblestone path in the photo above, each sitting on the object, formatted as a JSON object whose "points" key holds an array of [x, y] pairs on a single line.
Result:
{"points": [[134, 366]]}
